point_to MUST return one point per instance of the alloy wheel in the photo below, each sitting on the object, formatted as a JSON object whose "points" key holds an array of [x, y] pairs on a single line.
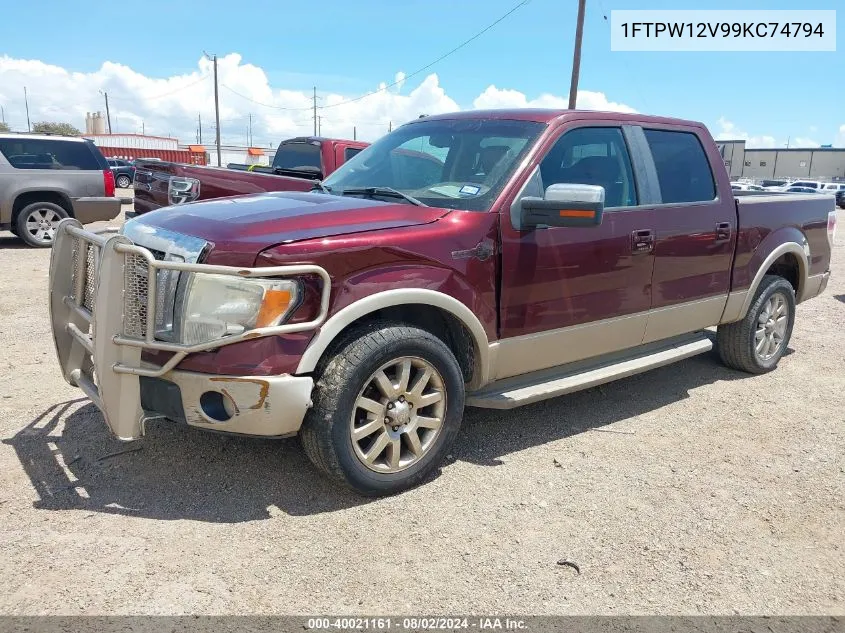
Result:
{"points": [[398, 415], [771, 327]]}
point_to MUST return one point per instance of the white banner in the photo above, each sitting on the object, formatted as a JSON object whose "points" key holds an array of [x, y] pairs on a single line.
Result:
{"points": [[707, 30]]}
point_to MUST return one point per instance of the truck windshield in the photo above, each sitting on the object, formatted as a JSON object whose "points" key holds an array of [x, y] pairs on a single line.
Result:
{"points": [[303, 156], [456, 163]]}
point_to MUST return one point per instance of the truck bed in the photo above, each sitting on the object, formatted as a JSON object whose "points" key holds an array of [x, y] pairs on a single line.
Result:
{"points": [[152, 180], [767, 216]]}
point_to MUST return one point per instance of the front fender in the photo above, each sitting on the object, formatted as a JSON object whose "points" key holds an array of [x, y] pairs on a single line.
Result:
{"points": [[391, 298]]}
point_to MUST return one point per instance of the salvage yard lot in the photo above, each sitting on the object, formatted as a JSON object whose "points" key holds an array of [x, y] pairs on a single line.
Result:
{"points": [[689, 489]]}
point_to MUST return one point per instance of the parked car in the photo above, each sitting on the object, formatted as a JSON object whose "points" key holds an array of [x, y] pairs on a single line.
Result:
{"points": [[124, 172], [833, 187], [840, 198], [809, 184], [745, 186], [298, 162], [553, 251], [45, 178], [797, 189], [769, 183]]}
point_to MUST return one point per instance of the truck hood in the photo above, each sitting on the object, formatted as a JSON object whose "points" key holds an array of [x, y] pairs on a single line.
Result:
{"points": [[240, 227]]}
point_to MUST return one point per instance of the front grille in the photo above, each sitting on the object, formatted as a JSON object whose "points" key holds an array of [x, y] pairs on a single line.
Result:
{"points": [[135, 296], [89, 287]]}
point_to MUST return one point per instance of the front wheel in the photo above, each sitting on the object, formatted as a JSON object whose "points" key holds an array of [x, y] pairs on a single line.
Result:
{"points": [[387, 408], [123, 181], [758, 342]]}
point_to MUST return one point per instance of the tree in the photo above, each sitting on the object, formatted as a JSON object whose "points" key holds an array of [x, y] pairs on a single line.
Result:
{"points": [[55, 128], [4, 127]]}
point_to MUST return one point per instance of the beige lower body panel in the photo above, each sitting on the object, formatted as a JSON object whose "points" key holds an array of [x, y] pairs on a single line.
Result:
{"points": [[686, 317], [814, 286], [269, 406], [532, 352], [88, 210]]}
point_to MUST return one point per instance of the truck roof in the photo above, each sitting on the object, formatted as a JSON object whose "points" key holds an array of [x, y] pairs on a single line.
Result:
{"points": [[322, 139], [41, 136], [542, 115]]}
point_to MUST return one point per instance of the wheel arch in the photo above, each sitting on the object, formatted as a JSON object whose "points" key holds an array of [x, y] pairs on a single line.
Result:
{"points": [[390, 305], [788, 260], [25, 198]]}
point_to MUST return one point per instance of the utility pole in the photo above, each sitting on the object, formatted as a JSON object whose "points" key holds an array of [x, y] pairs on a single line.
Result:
{"points": [[576, 57], [249, 134], [315, 110], [199, 128], [390, 126], [319, 126], [26, 101], [143, 129], [354, 133], [2, 114], [216, 107], [108, 114]]}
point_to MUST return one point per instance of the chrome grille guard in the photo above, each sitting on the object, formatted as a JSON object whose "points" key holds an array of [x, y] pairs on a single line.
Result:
{"points": [[103, 315]]}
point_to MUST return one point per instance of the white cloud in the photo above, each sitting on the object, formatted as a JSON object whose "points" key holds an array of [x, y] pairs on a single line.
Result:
{"points": [[169, 106], [728, 131], [494, 97], [399, 80]]}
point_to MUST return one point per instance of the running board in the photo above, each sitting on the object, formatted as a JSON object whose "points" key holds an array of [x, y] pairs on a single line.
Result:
{"points": [[558, 381]]}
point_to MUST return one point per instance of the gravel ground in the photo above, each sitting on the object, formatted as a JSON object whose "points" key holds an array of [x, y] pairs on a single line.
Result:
{"points": [[689, 489]]}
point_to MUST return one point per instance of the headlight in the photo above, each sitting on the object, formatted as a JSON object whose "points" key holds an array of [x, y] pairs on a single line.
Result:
{"points": [[216, 306]]}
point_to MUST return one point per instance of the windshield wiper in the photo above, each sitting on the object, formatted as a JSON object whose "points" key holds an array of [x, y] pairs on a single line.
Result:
{"points": [[387, 192], [319, 186]]}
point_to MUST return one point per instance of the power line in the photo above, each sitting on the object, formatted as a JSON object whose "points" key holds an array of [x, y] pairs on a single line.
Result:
{"points": [[395, 83], [439, 59], [266, 105], [166, 94]]}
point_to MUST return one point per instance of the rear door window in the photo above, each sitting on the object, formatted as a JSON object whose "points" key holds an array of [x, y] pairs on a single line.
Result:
{"points": [[48, 154], [683, 170], [297, 156], [349, 152]]}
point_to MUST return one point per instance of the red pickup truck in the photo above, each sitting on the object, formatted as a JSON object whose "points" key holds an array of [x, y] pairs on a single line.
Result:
{"points": [[532, 254], [296, 164]]}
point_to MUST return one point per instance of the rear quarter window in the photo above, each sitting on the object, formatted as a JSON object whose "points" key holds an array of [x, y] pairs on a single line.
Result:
{"points": [[298, 156], [683, 170], [49, 154]]}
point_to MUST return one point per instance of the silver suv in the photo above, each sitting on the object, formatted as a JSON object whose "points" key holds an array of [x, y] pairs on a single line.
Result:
{"points": [[45, 178]]}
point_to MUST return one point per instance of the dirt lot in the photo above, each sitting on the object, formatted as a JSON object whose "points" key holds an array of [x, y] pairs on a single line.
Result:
{"points": [[690, 489]]}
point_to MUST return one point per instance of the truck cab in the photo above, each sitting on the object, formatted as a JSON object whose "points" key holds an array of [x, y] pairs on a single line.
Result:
{"points": [[487, 258]]}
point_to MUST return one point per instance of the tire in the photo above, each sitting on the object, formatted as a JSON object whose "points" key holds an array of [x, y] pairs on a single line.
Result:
{"points": [[36, 223], [123, 181], [738, 342], [349, 379]]}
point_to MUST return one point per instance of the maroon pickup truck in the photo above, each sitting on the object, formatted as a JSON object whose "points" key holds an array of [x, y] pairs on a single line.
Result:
{"points": [[532, 254], [296, 164]]}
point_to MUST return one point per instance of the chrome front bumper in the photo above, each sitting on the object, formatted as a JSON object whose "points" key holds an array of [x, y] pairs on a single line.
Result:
{"points": [[103, 315]]}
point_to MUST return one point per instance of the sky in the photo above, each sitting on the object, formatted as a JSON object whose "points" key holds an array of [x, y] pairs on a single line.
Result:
{"points": [[272, 54]]}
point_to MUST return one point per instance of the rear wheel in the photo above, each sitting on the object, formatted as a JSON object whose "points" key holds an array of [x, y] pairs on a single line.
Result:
{"points": [[37, 223], [387, 408], [758, 342], [123, 181]]}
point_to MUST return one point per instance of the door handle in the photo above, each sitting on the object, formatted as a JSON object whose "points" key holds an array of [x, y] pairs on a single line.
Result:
{"points": [[642, 241], [723, 231]]}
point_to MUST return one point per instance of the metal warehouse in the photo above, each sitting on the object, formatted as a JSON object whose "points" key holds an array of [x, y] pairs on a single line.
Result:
{"points": [[818, 163]]}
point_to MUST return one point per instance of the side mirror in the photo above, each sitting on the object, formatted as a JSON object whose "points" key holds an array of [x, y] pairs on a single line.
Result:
{"points": [[565, 205]]}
